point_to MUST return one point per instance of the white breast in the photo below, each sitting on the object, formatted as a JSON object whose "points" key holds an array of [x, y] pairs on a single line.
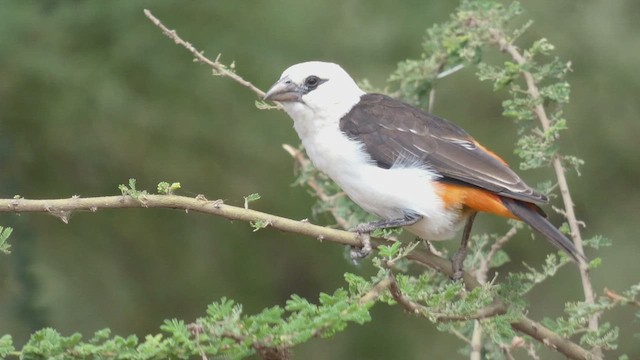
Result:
{"points": [[387, 193]]}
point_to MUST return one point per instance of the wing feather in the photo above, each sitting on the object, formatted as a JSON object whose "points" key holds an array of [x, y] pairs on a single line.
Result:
{"points": [[393, 132]]}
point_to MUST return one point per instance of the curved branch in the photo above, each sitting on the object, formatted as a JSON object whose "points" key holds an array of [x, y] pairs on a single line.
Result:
{"points": [[533, 91], [62, 208], [526, 326]]}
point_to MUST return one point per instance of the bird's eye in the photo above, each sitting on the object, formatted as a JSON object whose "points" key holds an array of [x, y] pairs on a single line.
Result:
{"points": [[312, 82]]}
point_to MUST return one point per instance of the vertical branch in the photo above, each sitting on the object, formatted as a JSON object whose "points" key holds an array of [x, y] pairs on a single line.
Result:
{"points": [[524, 325], [540, 112], [481, 274], [476, 341]]}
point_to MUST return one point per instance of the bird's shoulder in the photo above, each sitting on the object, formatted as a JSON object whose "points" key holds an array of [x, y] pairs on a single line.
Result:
{"points": [[376, 112]]}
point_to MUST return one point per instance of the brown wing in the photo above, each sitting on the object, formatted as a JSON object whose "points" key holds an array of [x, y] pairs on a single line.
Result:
{"points": [[394, 132]]}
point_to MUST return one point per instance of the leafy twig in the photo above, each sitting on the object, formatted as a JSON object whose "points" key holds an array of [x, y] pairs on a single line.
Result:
{"points": [[532, 88], [218, 208], [198, 204], [481, 275], [219, 68], [483, 269], [376, 291], [406, 303], [526, 326], [620, 298]]}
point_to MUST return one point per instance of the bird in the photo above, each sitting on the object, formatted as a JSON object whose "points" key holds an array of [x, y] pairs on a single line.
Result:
{"points": [[408, 167]]}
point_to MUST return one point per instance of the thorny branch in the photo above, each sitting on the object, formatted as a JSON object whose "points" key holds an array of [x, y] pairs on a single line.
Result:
{"points": [[429, 259], [532, 88], [62, 208], [376, 291], [620, 298], [407, 304], [218, 67], [482, 273]]}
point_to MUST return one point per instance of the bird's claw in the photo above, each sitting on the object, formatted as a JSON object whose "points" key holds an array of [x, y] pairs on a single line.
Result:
{"points": [[360, 252]]}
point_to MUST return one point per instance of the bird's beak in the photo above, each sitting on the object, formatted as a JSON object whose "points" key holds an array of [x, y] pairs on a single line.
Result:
{"points": [[284, 90]]}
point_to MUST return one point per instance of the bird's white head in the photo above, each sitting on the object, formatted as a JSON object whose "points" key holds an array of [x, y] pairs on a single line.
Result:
{"points": [[315, 91]]}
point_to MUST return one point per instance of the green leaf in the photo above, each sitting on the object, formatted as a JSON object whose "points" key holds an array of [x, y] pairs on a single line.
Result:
{"points": [[6, 346], [250, 198], [598, 242], [541, 46], [165, 188], [606, 337], [297, 304], [259, 224], [5, 232], [131, 190], [390, 251], [499, 259]]}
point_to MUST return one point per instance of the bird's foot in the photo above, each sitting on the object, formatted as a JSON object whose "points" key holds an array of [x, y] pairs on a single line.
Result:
{"points": [[361, 252], [364, 230]]}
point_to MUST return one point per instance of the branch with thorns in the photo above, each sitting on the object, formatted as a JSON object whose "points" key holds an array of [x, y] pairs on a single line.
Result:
{"points": [[63, 208], [219, 208], [507, 46], [427, 258]]}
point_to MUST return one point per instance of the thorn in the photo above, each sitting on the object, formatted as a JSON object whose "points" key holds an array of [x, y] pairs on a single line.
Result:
{"points": [[93, 209], [450, 71], [201, 197], [320, 237], [288, 148], [305, 220], [63, 215], [75, 197]]}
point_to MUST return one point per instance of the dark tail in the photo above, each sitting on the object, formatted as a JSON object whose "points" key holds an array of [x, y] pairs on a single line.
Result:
{"points": [[535, 218]]}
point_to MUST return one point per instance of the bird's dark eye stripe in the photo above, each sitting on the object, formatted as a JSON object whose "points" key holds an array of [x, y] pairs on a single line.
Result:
{"points": [[312, 82]]}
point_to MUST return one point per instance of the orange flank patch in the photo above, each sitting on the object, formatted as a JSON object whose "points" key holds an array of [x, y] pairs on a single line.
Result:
{"points": [[491, 153], [460, 197]]}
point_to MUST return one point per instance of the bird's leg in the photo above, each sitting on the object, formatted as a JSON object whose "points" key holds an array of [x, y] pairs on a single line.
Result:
{"points": [[363, 231], [457, 260], [388, 223]]}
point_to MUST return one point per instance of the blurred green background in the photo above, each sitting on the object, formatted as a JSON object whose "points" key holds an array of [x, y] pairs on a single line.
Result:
{"points": [[91, 94]]}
